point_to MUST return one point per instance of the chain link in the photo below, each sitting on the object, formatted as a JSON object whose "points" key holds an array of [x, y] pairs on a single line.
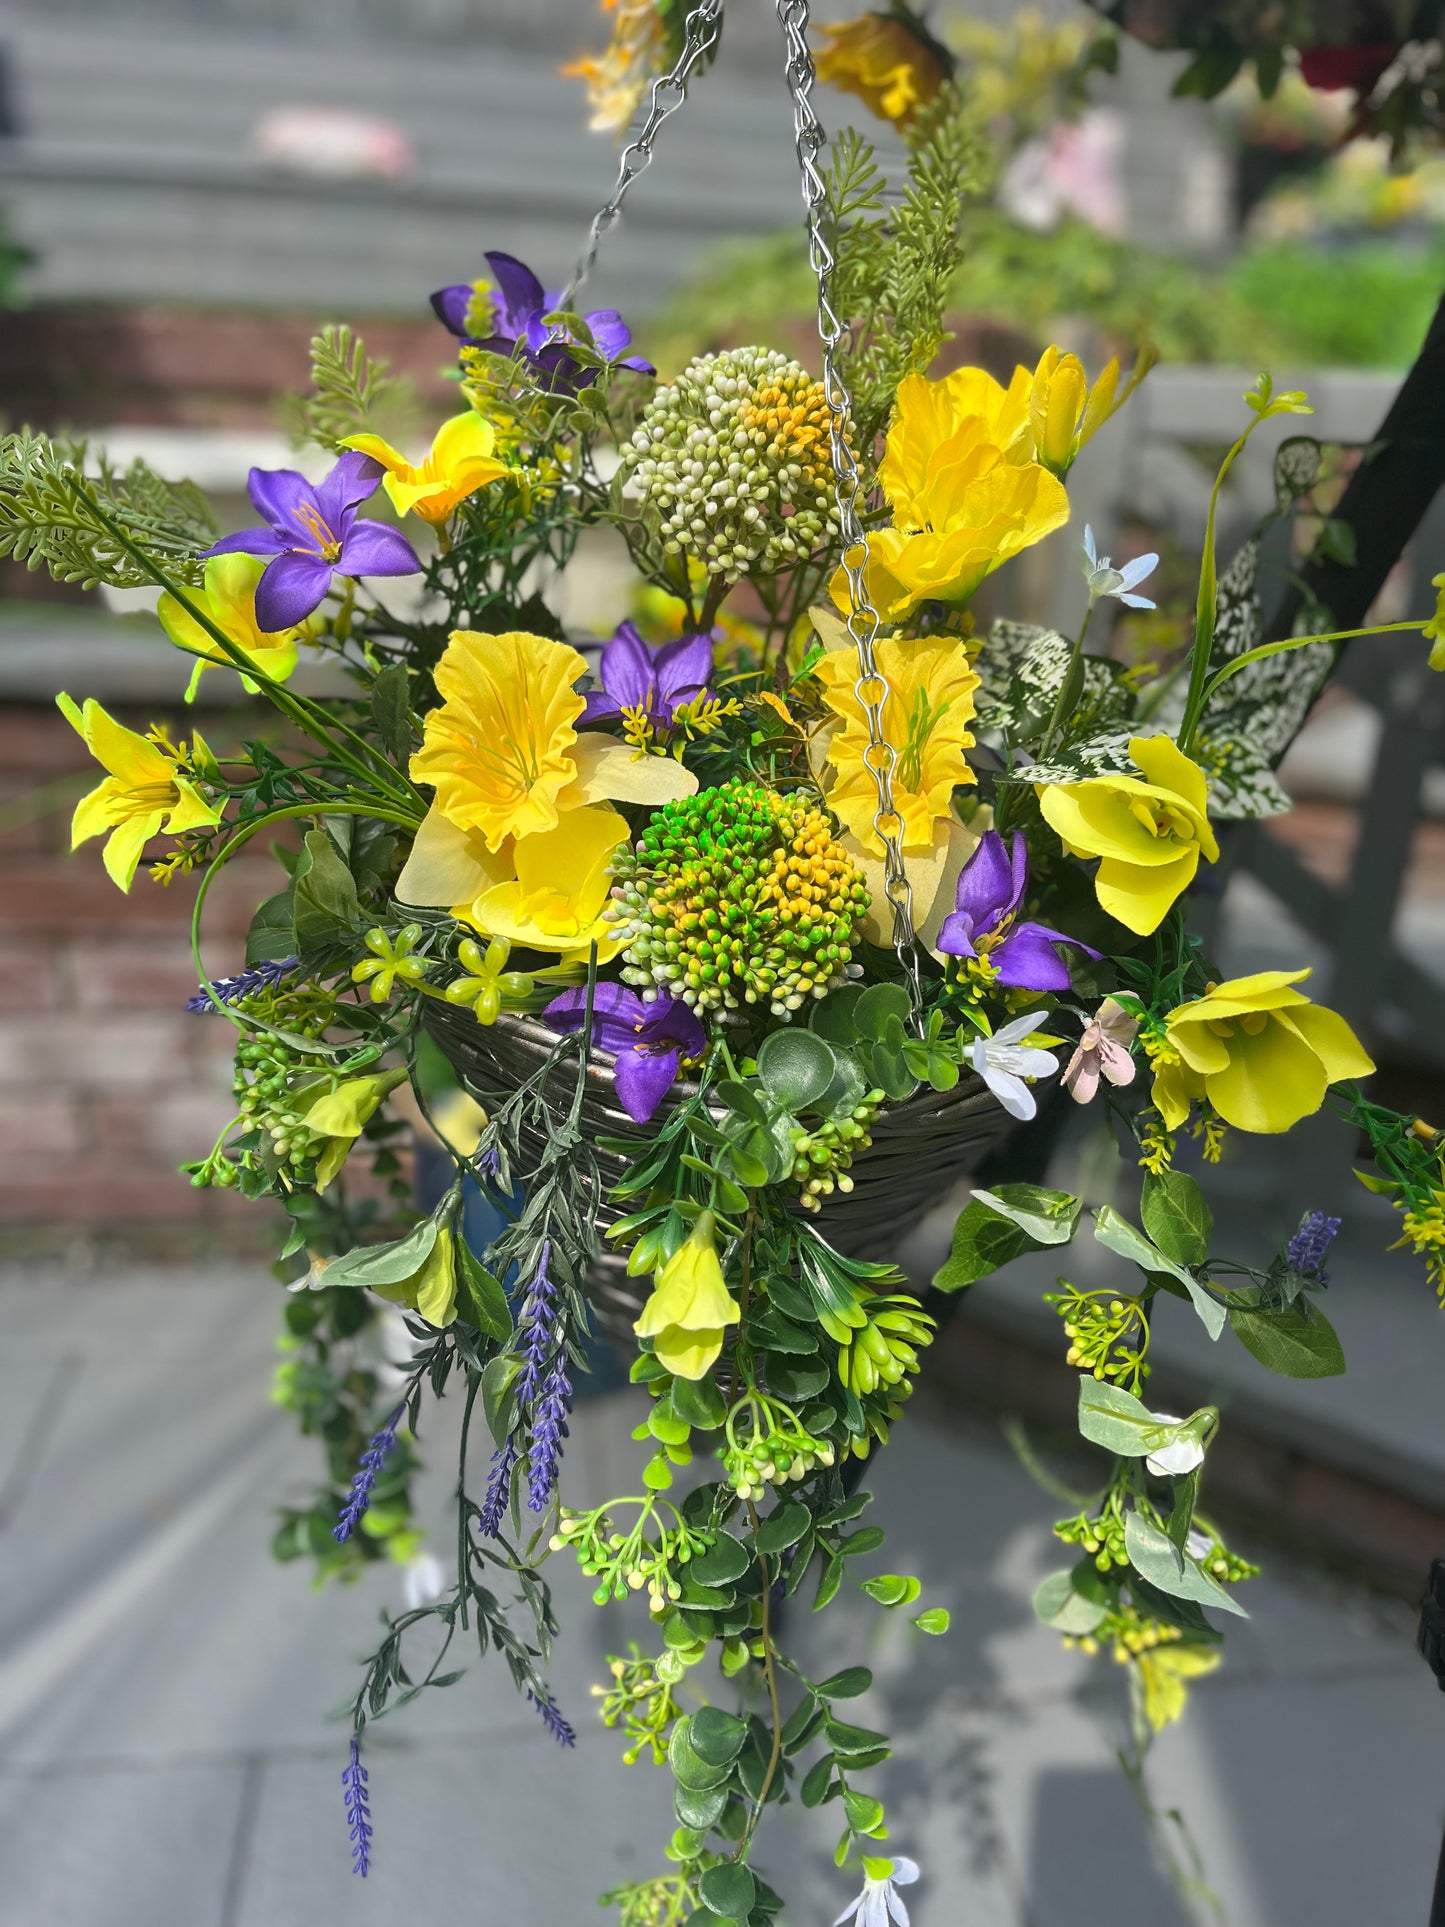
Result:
{"points": [[700, 36], [871, 688]]}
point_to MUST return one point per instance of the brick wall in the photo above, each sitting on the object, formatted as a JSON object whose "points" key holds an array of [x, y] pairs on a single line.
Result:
{"points": [[106, 1082]]}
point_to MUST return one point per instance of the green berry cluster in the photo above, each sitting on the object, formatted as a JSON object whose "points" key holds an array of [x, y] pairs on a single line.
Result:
{"points": [[624, 1562], [734, 459], [1108, 1336], [738, 896], [1222, 1564], [822, 1154], [767, 1444], [266, 1070], [1101, 1536], [883, 1351]]}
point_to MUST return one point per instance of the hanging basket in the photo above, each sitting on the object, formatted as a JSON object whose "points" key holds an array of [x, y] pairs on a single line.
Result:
{"points": [[920, 1147]]}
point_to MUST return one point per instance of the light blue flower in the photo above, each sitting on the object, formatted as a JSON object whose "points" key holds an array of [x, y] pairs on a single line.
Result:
{"points": [[1104, 579]]}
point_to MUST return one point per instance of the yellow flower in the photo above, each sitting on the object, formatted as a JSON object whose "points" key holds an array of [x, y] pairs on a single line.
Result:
{"points": [[1163, 1671], [1064, 411], [506, 761], [228, 597], [885, 63], [556, 899], [965, 495], [340, 1116], [925, 717], [1434, 630], [1150, 835], [618, 77], [1260, 1052], [690, 1306], [461, 461], [143, 793], [432, 1289]]}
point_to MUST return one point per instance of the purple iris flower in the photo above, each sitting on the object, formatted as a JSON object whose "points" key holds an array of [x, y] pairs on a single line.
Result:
{"points": [[634, 678], [518, 305], [313, 532], [990, 890], [649, 1040]]}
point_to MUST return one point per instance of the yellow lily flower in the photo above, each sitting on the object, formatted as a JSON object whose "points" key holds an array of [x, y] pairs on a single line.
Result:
{"points": [[341, 1115], [965, 495], [1258, 1050], [228, 597], [690, 1306], [1064, 411], [925, 716], [461, 460], [1150, 834], [506, 762], [556, 899], [143, 793], [886, 65]]}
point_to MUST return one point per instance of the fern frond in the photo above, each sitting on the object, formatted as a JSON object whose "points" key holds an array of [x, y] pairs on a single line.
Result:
{"points": [[49, 491], [348, 386]]}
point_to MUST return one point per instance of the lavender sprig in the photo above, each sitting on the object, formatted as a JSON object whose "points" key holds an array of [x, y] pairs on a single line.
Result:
{"points": [[1308, 1248], [358, 1810], [549, 1428], [544, 1389], [372, 1460], [556, 1725], [499, 1486], [246, 983]]}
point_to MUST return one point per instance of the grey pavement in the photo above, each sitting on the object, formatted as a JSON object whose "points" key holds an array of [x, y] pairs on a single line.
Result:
{"points": [[167, 1694]]}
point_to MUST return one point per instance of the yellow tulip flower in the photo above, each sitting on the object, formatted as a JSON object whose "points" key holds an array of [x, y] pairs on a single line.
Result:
{"points": [[925, 716], [1258, 1050], [690, 1306], [148, 788], [887, 65], [556, 899], [461, 461], [1150, 834], [1064, 412], [341, 1115], [228, 597]]}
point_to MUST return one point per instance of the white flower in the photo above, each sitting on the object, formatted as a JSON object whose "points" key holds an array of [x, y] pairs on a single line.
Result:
{"points": [[1003, 1061], [1104, 579], [1176, 1460], [1197, 1543], [879, 1902], [424, 1580]]}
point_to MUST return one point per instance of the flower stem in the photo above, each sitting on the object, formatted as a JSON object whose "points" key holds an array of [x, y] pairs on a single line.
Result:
{"points": [[770, 1675], [1067, 697]]}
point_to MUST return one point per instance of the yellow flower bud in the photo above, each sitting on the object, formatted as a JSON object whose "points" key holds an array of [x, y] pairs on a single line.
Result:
{"points": [[690, 1305]]}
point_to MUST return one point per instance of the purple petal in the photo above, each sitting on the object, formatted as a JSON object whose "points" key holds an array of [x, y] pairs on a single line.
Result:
{"points": [[683, 667], [450, 306], [955, 936], [671, 1021], [293, 585], [628, 674], [643, 1079], [561, 369], [276, 494], [349, 484], [371, 548], [610, 333], [639, 364], [989, 885], [521, 294], [249, 542], [1027, 960], [618, 1015]]}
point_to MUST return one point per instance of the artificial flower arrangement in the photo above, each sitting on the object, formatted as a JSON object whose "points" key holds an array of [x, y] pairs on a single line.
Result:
{"points": [[748, 932]]}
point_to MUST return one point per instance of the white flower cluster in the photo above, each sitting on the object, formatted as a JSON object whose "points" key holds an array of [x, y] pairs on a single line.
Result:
{"points": [[734, 459]]}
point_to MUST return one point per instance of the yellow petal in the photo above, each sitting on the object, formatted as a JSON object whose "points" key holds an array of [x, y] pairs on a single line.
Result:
{"points": [[687, 1354], [608, 770], [573, 858], [379, 450], [1271, 1081], [1165, 765], [450, 865], [1331, 1039], [1140, 897], [468, 437], [1174, 1088], [436, 1283], [128, 840], [933, 874]]}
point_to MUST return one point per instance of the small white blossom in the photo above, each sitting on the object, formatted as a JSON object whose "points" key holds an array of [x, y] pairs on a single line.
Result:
{"points": [[424, 1580], [1003, 1061], [1197, 1543], [1177, 1460], [1105, 580], [879, 1901]]}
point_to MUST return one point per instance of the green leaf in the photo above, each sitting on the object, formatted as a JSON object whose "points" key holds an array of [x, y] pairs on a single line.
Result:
{"points": [[983, 1242], [699, 1806], [846, 1685], [1296, 1340], [390, 1264], [717, 1737], [774, 1333], [865, 1539], [723, 1562], [1118, 1235], [700, 1402], [484, 1300], [783, 1528], [877, 1007], [796, 1067], [1156, 1558], [893, 1589], [814, 1789], [801, 1724], [728, 1889], [1047, 1217], [849, 1742], [796, 1383], [1111, 1417], [498, 1377], [689, 1768], [829, 1581], [326, 907], [1176, 1216], [863, 1811], [936, 1620], [391, 712], [1058, 1604], [742, 1100], [272, 935]]}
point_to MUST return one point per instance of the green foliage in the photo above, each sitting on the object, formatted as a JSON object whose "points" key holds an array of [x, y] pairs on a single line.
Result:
{"points": [[56, 497], [1361, 306], [995, 1227], [348, 388]]}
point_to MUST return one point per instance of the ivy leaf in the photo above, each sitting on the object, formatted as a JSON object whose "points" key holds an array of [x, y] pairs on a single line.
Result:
{"points": [[1297, 1340], [1155, 1557], [1176, 1216]]}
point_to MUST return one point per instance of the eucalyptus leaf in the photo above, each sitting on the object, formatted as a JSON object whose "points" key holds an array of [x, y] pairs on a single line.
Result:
{"points": [[1156, 1558]]}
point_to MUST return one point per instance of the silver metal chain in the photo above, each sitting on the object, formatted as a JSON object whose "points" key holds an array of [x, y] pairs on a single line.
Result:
{"points": [[871, 688], [700, 35]]}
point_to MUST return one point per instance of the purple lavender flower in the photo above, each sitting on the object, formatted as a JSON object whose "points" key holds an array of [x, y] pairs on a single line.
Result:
{"points": [[516, 325], [638, 681], [544, 1391], [313, 533], [549, 1428], [556, 1725], [372, 1460], [984, 923], [358, 1810], [499, 1489], [246, 983], [648, 1040], [1308, 1248]]}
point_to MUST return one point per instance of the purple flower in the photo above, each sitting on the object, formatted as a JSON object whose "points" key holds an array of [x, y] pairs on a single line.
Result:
{"points": [[499, 1490], [358, 1810], [313, 533], [556, 1725], [372, 1460], [517, 307], [635, 680], [1307, 1249], [246, 983], [648, 1040], [990, 890], [544, 1390]]}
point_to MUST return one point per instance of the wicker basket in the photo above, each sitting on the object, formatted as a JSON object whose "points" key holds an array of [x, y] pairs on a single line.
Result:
{"points": [[920, 1146]]}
